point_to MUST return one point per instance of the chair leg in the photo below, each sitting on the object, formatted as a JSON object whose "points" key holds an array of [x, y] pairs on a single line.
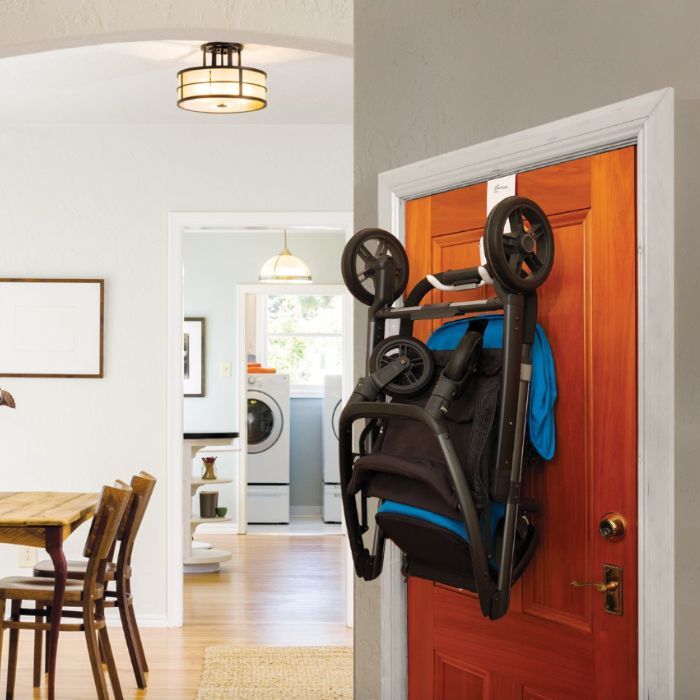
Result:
{"points": [[12, 656], [2, 625], [133, 639], [93, 650], [108, 656], [137, 634], [38, 643], [47, 640]]}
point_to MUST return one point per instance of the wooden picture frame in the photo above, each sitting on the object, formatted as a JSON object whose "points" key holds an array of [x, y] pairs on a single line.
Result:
{"points": [[193, 370], [52, 328]]}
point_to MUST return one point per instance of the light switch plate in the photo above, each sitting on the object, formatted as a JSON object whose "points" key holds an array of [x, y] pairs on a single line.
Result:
{"points": [[225, 369]]}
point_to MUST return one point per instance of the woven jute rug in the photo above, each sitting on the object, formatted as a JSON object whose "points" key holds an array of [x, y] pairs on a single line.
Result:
{"points": [[276, 673]]}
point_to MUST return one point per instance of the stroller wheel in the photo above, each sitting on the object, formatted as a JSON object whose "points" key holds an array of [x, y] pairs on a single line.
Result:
{"points": [[520, 259], [419, 372], [359, 263]]}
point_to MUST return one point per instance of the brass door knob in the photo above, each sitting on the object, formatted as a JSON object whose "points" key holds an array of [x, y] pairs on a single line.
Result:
{"points": [[612, 526]]}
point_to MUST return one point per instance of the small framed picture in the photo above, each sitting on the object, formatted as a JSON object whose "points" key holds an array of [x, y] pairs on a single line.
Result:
{"points": [[193, 356], [52, 328]]}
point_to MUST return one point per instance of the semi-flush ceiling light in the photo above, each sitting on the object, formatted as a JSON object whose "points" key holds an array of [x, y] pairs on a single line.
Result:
{"points": [[223, 85], [285, 267]]}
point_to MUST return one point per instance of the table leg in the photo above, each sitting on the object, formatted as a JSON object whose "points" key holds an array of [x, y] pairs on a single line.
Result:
{"points": [[54, 548]]}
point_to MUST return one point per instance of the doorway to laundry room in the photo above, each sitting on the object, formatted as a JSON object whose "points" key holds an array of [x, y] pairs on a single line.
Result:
{"points": [[266, 362]]}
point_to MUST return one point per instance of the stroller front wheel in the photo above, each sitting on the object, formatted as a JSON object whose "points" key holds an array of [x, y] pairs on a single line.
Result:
{"points": [[419, 370]]}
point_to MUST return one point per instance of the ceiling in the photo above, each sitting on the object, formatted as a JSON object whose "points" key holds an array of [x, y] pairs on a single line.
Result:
{"points": [[134, 83]]}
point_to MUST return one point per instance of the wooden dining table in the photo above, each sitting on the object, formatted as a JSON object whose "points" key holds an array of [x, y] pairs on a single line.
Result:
{"points": [[46, 519]]}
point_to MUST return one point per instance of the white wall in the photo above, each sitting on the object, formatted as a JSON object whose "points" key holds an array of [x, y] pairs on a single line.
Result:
{"points": [[434, 77], [93, 201], [215, 263]]}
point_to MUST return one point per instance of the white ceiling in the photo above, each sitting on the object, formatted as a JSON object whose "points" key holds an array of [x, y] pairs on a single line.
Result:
{"points": [[134, 83]]}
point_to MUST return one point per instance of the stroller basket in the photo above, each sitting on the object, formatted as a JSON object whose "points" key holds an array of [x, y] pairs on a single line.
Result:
{"points": [[446, 429]]}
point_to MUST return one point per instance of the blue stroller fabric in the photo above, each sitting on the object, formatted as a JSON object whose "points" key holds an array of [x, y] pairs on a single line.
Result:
{"points": [[497, 511], [543, 387]]}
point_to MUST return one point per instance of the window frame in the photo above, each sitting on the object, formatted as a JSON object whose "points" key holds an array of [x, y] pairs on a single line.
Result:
{"points": [[296, 391]]}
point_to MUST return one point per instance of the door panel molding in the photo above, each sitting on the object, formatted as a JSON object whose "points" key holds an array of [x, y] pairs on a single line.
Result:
{"points": [[646, 121]]}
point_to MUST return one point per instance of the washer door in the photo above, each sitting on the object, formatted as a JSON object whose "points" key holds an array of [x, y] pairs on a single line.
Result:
{"points": [[265, 422], [335, 419]]}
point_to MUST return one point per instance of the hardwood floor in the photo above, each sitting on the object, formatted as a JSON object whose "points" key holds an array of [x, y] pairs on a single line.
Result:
{"points": [[277, 590]]}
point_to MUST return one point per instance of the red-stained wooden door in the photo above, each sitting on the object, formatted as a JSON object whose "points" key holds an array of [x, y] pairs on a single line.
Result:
{"points": [[557, 641]]}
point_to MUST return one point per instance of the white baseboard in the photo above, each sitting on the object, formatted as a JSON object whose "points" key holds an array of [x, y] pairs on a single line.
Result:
{"points": [[217, 529], [305, 511], [112, 617]]}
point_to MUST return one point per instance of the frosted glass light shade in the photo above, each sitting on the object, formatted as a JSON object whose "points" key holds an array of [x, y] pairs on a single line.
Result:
{"points": [[285, 268], [222, 87]]}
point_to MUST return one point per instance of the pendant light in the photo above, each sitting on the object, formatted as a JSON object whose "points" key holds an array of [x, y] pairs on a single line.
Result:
{"points": [[221, 85], [285, 267]]}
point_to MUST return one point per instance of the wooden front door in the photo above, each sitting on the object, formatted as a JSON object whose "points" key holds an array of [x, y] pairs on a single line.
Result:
{"points": [[557, 641]]}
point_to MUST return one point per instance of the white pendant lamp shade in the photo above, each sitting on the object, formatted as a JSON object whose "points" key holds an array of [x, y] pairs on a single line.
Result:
{"points": [[285, 268], [221, 85]]}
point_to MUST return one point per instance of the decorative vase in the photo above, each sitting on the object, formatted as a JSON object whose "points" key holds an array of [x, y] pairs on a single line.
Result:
{"points": [[208, 471]]}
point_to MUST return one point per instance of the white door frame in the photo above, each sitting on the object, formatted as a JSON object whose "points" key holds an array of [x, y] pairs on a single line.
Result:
{"points": [[648, 122], [202, 223]]}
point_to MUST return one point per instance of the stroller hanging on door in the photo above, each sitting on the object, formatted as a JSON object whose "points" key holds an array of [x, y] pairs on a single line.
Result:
{"points": [[447, 427]]}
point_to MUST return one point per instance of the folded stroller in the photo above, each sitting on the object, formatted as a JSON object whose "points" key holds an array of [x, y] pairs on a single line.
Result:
{"points": [[446, 427]]}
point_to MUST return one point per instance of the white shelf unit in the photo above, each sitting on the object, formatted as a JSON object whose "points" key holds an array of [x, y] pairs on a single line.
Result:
{"points": [[203, 558]]}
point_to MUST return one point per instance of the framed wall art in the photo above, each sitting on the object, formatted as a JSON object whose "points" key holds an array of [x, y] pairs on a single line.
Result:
{"points": [[193, 356], [52, 328]]}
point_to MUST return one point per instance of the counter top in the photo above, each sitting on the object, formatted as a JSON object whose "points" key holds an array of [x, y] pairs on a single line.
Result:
{"points": [[210, 436]]}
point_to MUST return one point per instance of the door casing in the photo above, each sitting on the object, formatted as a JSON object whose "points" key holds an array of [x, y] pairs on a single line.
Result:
{"points": [[203, 223], [646, 121]]}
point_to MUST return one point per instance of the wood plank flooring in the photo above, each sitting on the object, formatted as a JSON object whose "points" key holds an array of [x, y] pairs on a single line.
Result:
{"points": [[277, 590]]}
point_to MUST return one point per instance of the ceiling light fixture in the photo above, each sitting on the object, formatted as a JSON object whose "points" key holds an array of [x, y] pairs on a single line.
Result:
{"points": [[221, 85], [285, 267]]}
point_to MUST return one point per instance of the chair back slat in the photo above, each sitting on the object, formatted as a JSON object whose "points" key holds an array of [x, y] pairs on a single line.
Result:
{"points": [[112, 505], [142, 485]]}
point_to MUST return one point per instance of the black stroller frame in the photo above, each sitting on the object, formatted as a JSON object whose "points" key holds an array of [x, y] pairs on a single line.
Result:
{"points": [[519, 252]]}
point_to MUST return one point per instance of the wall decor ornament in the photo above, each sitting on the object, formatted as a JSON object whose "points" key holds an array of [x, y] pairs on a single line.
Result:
{"points": [[6, 399], [52, 328], [193, 357]]}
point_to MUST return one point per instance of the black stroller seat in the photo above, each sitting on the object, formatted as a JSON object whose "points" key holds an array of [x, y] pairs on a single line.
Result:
{"points": [[444, 442]]}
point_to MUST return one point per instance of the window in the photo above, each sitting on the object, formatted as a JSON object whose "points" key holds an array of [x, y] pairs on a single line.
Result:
{"points": [[303, 338]]}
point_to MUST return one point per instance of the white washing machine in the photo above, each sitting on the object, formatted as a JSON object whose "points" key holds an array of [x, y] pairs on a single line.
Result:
{"points": [[268, 448], [332, 406]]}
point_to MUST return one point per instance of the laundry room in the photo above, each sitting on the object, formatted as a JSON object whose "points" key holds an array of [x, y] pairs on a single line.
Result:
{"points": [[266, 327]]}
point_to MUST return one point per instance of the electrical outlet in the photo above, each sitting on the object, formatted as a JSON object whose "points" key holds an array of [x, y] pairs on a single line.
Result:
{"points": [[26, 557]]}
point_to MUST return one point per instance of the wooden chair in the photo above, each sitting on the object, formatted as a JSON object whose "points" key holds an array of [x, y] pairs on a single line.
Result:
{"points": [[142, 486], [87, 594]]}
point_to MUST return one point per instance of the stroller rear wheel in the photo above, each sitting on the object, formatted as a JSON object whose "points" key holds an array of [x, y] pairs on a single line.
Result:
{"points": [[418, 373], [361, 257], [520, 259]]}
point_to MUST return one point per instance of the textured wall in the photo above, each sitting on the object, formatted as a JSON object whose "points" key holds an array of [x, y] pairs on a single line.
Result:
{"points": [[93, 202], [35, 25], [434, 77]]}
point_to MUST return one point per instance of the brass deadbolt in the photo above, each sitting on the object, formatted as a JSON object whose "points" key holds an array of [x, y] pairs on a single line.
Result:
{"points": [[612, 526]]}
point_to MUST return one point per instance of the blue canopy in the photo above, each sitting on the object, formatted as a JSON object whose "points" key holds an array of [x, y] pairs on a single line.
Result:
{"points": [[543, 387]]}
